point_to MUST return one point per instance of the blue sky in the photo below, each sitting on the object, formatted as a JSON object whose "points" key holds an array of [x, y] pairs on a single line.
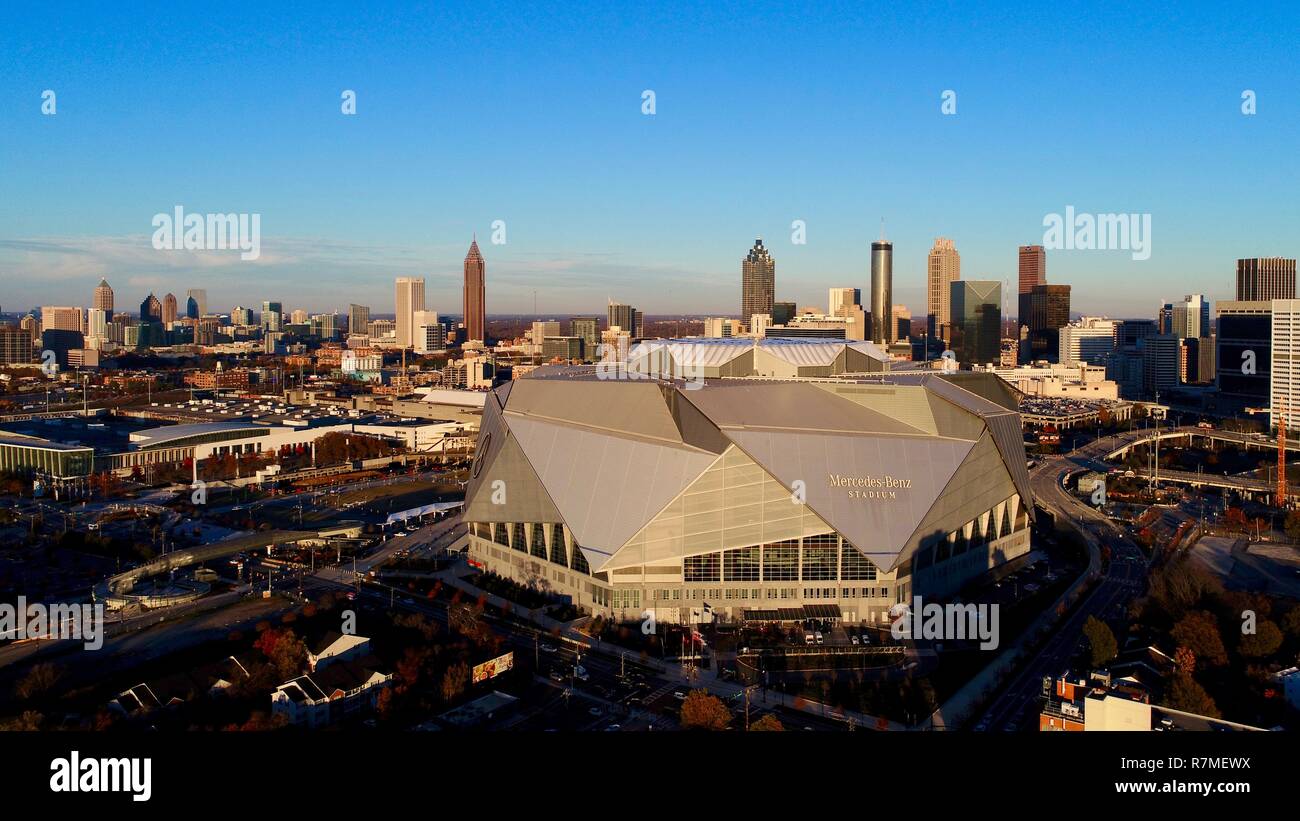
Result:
{"points": [[765, 113]]}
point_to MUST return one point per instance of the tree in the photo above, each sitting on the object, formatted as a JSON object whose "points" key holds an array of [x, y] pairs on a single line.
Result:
{"points": [[768, 723], [1102, 646], [454, 681], [1187, 695], [1199, 632], [37, 682], [1266, 640], [1186, 660], [701, 711]]}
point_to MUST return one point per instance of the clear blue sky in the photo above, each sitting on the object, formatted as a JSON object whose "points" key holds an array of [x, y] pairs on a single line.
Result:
{"points": [[473, 112]]}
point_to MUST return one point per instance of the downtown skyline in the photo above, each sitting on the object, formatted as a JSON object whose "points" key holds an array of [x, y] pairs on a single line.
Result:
{"points": [[602, 201]]}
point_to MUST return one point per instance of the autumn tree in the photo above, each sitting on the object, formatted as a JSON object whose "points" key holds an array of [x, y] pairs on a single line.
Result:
{"points": [[1199, 632], [1186, 660], [1102, 647], [701, 711], [768, 723], [1263, 643], [37, 682], [454, 681]]}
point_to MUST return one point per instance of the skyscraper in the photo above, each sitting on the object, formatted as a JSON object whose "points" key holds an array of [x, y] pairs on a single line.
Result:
{"points": [[151, 309], [475, 297], [1191, 317], [62, 318], [625, 317], [942, 269], [841, 300], [586, 328], [409, 299], [103, 297], [1033, 272], [169, 309], [272, 317], [192, 309], [1265, 278], [882, 291], [757, 282], [358, 319], [200, 297], [1049, 312], [976, 320]]}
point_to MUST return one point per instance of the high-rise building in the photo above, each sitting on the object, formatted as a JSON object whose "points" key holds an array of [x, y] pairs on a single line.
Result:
{"points": [[15, 346], [429, 334], [625, 317], [409, 299], [783, 312], [298, 317], [192, 310], [586, 328], [1265, 279], [842, 300], [358, 319], [757, 282], [1243, 360], [882, 292], [272, 317], [1284, 375], [151, 309], [1191, 318], [238, 315], [1162, 358], [1049, 312], [169, 309], [1090, 341], [103, 299], [942, 269], [475, 294], [200, 297], [62, 318], [1033, 272], [976, 320]]}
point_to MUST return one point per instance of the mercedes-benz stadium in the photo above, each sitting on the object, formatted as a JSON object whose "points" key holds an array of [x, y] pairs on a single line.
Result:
{"points": [[839, 496]]}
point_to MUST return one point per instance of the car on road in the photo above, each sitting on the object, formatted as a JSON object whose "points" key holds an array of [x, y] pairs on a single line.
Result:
{"points": [[549, 648], [853, 640], [679, 694]]}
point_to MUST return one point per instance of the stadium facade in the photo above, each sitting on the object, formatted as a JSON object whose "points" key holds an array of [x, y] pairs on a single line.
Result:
{"points": [[841, 496]]}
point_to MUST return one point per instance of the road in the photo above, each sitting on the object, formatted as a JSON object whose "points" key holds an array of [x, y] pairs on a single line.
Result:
{"points": [[1014, 707]]}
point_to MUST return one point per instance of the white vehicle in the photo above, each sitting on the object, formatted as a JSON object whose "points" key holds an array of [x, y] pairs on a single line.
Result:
{"points": [[817, 636]]}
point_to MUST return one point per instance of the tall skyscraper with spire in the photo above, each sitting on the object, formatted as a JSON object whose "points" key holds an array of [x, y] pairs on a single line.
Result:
{"points": [[475, 297], [757, 282], [103, 297], [942, 270], [882, 290]]}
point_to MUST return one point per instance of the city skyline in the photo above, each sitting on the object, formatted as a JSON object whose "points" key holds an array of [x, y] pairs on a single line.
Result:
{"points": [[593, 191]]}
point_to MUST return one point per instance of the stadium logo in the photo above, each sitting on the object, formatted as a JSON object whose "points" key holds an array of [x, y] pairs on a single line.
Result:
{"points": [[869, 487]]}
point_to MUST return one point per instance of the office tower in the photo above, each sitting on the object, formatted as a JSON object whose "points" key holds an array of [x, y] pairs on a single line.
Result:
{"points": [[720, 327], [624, 317], [542, 329], [942, 269], [151, 309], [15, 346], [565, 348], [298, 317], [1090, 341], [1049, 311], [97, 323], [192, 308], [586, 328], [358, 319], [1265, 279], [62, 318], [103, 297], [241, 316], [1190, 319], [409, 299], [169, 309], [783, 312], [325, 326], [381, 328], [1033, 272], [60, 341], [976, 320], [1130, 331], [32, 325], [1161, 363], [428, 334], [757, 282], [205, 331], [842, 299], [272, 318], [902, 322], [882, 292], [475, 299], [1243, 360], [200, 297]]}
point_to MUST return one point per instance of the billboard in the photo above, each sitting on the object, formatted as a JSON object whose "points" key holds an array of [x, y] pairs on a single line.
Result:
{"points": [[493, 668]]}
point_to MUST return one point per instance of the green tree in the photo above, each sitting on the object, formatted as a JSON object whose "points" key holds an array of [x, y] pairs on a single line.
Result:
{"points": [[1102, 647], [1187, 695]]}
